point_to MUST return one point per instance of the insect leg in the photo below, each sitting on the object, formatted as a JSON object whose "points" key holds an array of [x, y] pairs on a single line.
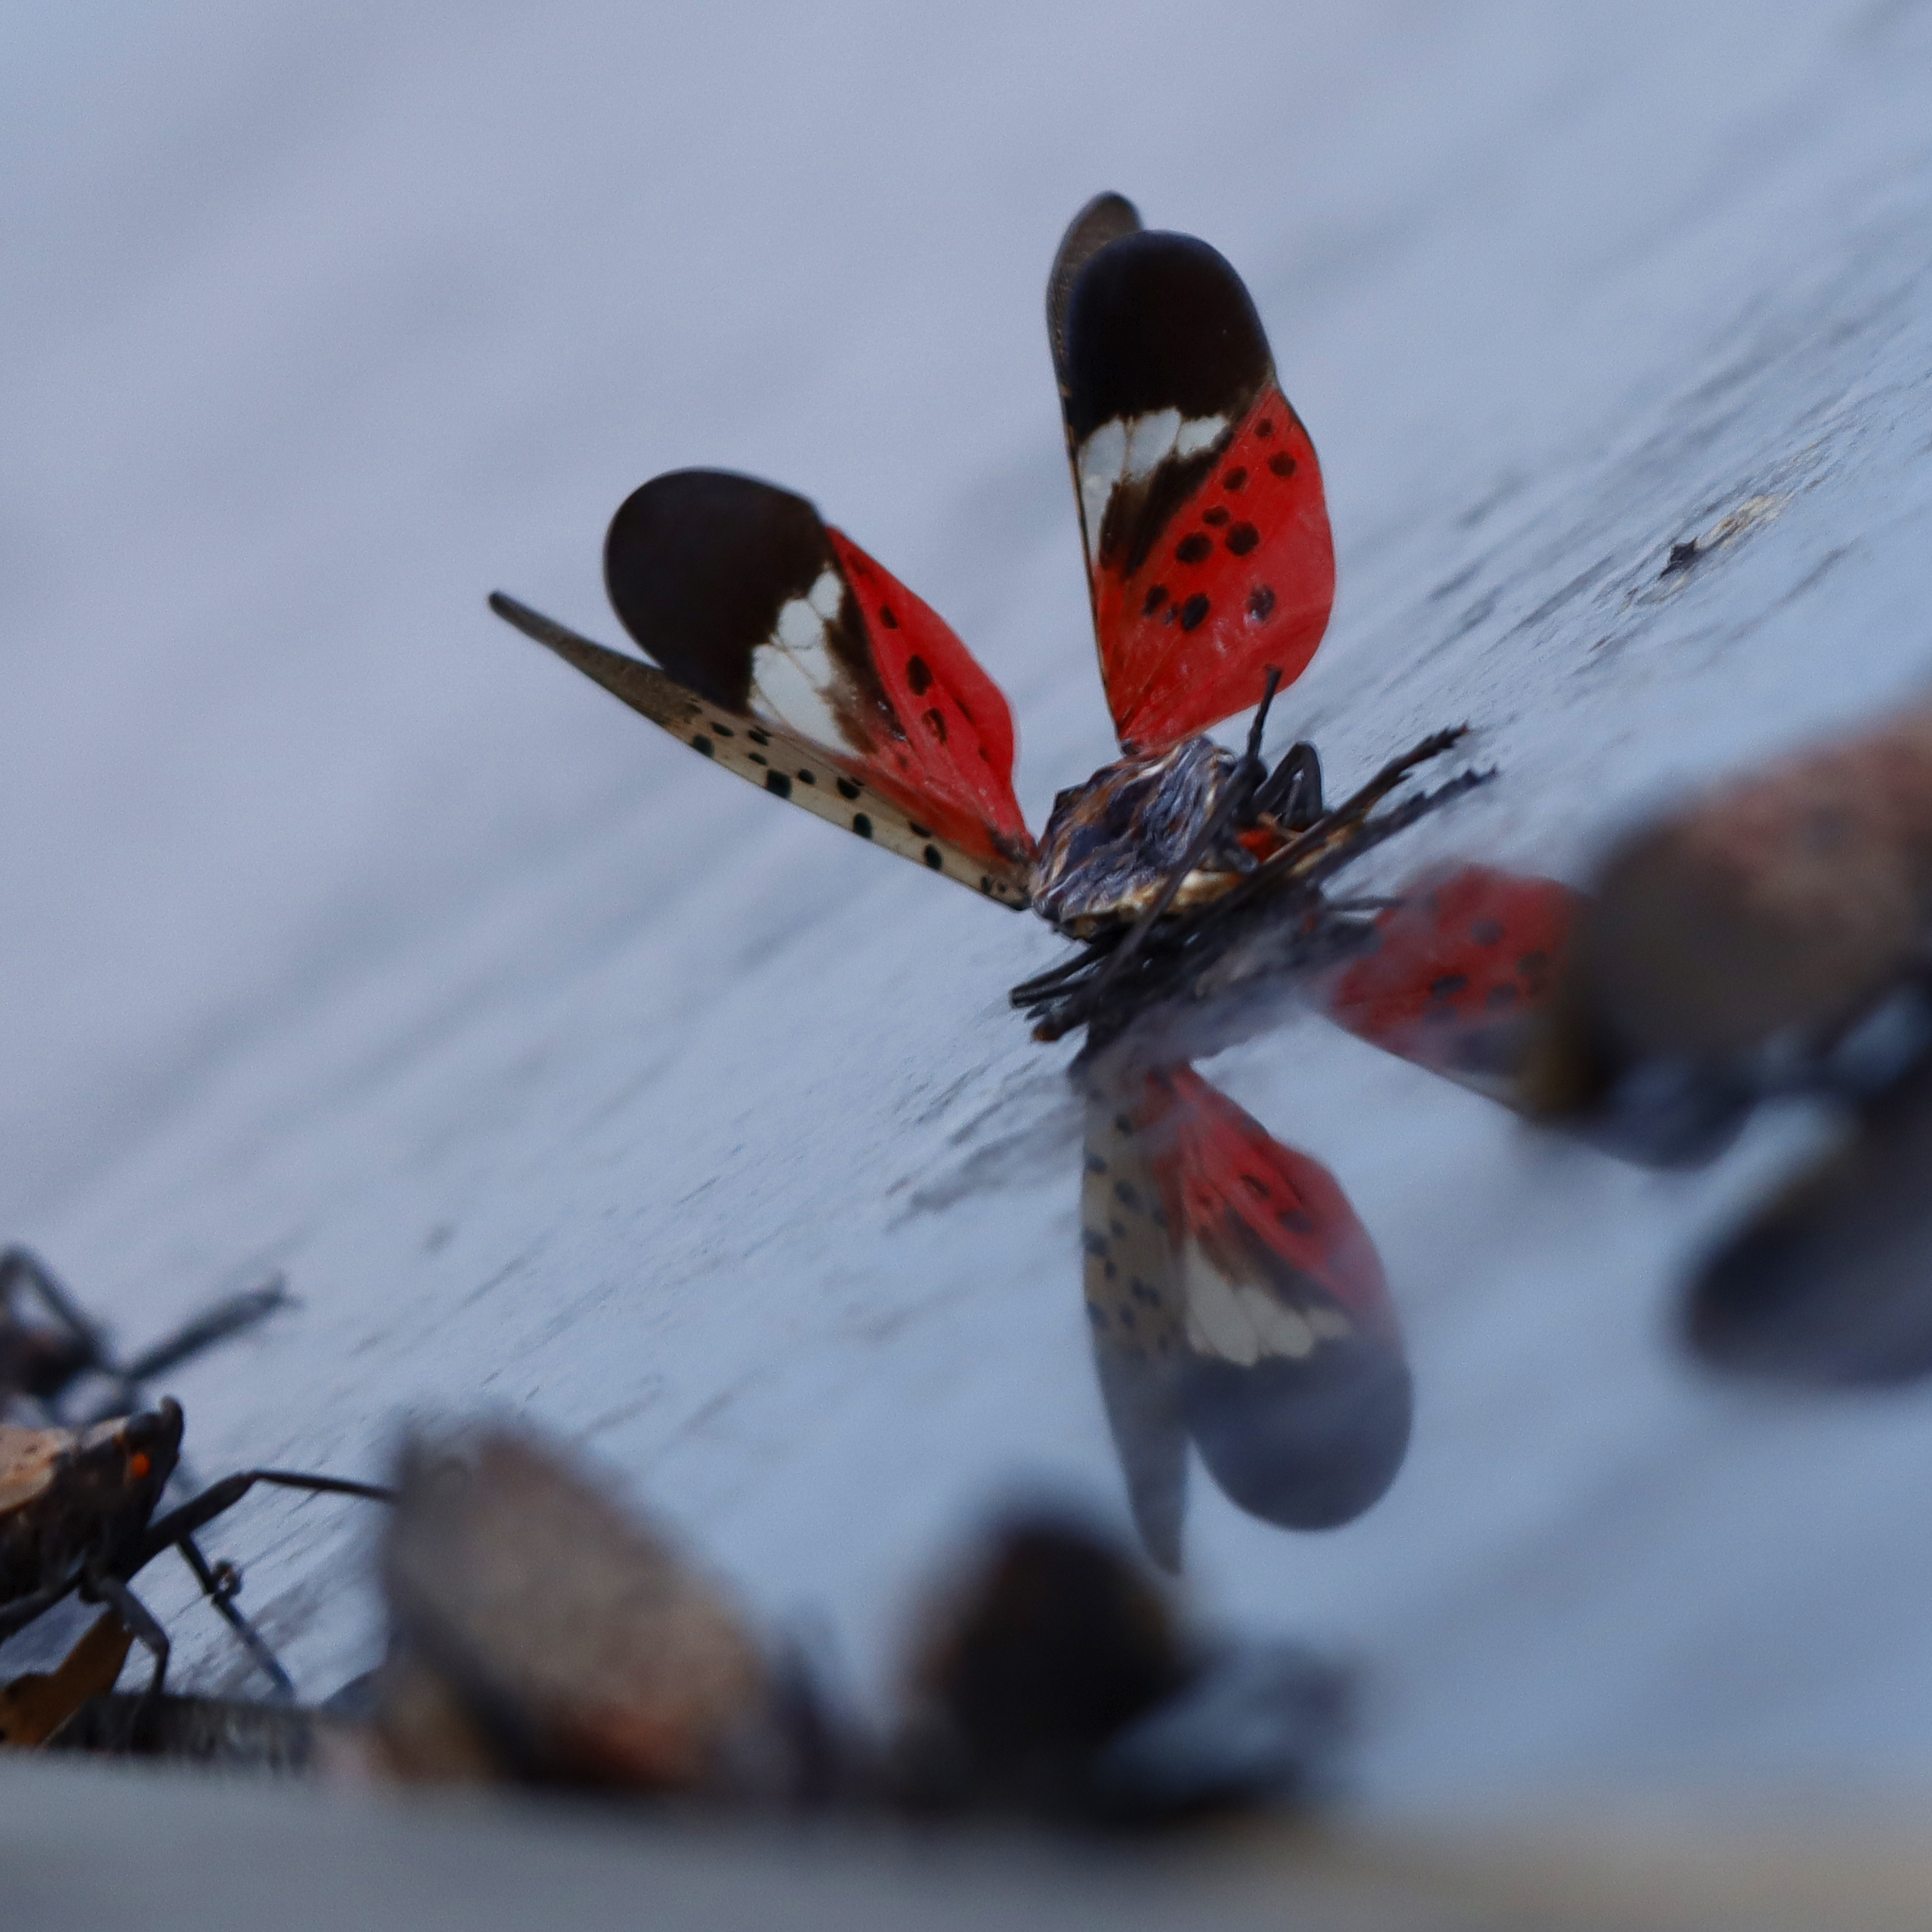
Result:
{"points": [[148, 1632], [21, 1267], [221, 1595], [202, 1332], [223, 1495], [1292, 792]]}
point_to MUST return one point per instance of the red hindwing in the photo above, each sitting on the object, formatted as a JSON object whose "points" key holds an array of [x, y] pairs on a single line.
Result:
{"points": [[1241, 579], [950, 752], [1264, 1215], [1208, 552], [1459, 969]]}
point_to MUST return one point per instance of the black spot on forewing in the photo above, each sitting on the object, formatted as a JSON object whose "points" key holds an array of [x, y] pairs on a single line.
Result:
{"points": [[1242, 539], [919, 676], [706, 746], [846, 789], [862, 825], [933, 858], [777, 783], [1194, 549], [1194, 611], [1261, 602]]}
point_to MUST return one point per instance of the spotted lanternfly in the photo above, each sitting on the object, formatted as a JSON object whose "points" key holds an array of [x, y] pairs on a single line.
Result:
{"points": [[1455, 974], [1234, 1299], [1052, 1679], [1733, 946], [542, 1633], [785, 653], [43, 1359], [77, 1519], [1829, 1284]]}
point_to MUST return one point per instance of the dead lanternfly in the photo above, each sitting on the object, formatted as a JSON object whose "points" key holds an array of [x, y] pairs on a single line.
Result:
{"points": [[786, 654], [1052, 1679], [43, 1360], [1829, 1283], [77, 1519], [542, 1633], [1736, 947], [1235, 1300]]}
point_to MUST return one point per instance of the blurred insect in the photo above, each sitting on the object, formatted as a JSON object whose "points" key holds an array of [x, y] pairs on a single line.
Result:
{"points": [[43, 1360], [787, 654], [1234, 1299], [1456, 974], [1052, 1680], [77, 1519], [542, 1633], [1829, 1283], [1770, 936]]}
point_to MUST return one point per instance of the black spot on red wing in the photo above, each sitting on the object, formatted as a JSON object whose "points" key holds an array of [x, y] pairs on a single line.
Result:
{"points": [[1193, 611], [1261, 602], [862, 825], [1295, 1220], [1282, 463], [846, 789], [1255, 1185], [1242, 539], [935, 723], [1486, 931], [919, 676], [698, 563], [885, 617], [1235, 479], [705, 746], [1216, 517], [1155, 597], [1194, 549], [777, 783], [932, 859], [1265, 427], [1156, 322], [1448, 985]]}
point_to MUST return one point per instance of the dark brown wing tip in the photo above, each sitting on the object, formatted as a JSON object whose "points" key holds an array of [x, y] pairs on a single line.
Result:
{"points": [[1105, 218]]}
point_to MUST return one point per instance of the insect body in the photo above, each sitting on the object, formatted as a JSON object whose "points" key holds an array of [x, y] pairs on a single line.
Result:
{"points": [[784, 652], [77, 1519]]}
